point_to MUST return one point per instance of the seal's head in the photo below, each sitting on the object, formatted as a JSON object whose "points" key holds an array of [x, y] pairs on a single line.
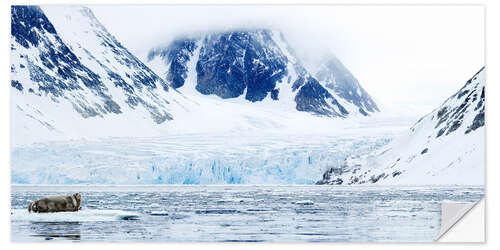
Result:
{"points": [[78, 199], [77, 196], [33, 207]]}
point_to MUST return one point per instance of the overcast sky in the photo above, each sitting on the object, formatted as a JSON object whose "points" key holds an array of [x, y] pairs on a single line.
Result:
{"points": [[402, 55]]}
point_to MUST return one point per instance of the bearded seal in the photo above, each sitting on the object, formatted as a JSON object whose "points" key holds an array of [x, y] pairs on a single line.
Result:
{"points": [[62, 203]]}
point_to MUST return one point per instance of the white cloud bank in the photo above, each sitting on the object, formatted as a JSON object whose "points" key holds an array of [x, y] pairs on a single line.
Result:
{"points": [[402, 55]]}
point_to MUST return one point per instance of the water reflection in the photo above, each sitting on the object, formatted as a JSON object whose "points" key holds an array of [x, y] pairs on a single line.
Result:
{"points": [[57, 230]]}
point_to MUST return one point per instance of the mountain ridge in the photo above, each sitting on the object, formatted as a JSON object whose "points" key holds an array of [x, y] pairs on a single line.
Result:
{"points": [[69, 75], [259, 64], [71, 78], [448, 142]]}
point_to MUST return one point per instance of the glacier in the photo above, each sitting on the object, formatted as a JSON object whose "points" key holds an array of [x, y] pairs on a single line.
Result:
{"points": [[230, 158]]}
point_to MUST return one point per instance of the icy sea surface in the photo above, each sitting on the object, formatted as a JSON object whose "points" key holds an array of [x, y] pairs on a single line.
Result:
{"points": [[234, 213]]}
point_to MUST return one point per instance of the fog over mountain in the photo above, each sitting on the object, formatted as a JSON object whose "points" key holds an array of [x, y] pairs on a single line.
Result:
{"points": [[401, 59], [72, 78]]}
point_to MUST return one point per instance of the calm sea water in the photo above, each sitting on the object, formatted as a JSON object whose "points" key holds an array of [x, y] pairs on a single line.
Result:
{"points": [[233, 213]]}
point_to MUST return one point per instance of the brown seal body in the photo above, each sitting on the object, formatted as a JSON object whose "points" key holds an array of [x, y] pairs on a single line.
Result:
{"points": [[62, 203]]}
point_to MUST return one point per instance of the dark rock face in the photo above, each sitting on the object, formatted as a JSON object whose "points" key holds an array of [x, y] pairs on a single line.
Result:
{"points": [[231, 62], [275, 93], [144, 81], [374, 178], [396, 173], [477, 123], [61, 74], [312, 97], [452, 116], [137, 72], [330, 177], [299, 82], [338, 78], [24, 20], [177, 54], [29, 25], [479, 118], [17, 85], [251, 63]]}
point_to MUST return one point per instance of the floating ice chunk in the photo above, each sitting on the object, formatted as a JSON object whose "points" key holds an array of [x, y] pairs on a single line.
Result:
{"points": [[159, 213], [217, 211], [231, 201], [260, 211], [305, 202], [79, 216]]}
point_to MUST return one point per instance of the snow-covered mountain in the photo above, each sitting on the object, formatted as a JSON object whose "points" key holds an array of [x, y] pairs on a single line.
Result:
{"points": [[71, 79], [259, 65], [70, 76], [337, 78], [443, 147]]}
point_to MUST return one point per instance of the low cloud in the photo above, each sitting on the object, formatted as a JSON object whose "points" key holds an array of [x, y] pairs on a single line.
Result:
{"points": [[390, 49]]}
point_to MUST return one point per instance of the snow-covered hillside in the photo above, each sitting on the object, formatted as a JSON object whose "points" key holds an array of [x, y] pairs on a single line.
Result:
{"points": [[337, 78], [70, 77], [446, 146], [258, 65]]}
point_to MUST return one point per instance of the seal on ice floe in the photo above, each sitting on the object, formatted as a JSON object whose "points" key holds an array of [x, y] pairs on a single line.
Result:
{"points": [[62, 203]]}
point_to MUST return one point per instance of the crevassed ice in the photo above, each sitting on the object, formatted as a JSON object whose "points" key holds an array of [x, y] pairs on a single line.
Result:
{"points": [[187, 159]]}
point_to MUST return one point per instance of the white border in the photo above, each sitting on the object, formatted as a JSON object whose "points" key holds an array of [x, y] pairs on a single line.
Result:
{"points": [[493, 128]]}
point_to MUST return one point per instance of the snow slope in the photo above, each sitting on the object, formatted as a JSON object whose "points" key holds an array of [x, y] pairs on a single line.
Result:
{"points": [[446, 146], [335, 77], [86, 215], [71, 78]]}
